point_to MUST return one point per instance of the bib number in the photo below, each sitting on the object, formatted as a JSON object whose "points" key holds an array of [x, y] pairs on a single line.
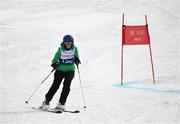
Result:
{"points": [[67, 61]]}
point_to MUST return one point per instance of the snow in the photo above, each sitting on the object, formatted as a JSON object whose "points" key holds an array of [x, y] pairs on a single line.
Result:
{"points": [[31, 32]]}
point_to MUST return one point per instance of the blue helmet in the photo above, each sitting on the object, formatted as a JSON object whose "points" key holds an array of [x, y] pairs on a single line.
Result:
{"points": [[68, 38]]}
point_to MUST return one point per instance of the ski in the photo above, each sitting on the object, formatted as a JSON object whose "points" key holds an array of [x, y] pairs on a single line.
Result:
{"points": [[69, 111], [56, 110], [48, 110]]}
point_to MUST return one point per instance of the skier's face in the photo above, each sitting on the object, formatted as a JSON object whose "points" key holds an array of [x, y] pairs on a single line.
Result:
{"points": [[68, 45]]}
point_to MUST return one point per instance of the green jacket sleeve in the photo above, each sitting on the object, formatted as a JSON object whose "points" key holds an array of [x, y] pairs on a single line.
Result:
{"points": [[56, 57]]}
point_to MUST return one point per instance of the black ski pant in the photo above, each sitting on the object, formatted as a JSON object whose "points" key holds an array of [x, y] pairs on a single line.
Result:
{"points": [[58, 77]]}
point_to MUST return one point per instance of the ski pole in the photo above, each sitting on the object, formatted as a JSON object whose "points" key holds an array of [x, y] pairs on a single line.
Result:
{"points": [[81, 86], [39, 86]]}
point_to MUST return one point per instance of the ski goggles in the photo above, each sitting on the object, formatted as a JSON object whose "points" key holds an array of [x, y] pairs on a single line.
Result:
{"points": [[68, 43]]}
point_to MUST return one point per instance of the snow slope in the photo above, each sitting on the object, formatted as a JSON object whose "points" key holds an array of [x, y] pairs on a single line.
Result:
{"points": [[31, 32]]}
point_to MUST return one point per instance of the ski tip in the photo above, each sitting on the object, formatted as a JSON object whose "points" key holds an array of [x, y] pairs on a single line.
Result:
{"points": [[77, 111]]}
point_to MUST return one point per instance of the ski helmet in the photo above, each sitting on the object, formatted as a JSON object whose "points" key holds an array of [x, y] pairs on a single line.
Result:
{"points": [[68, 38]]}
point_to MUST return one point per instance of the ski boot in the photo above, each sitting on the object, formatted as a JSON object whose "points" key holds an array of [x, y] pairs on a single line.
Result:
{"points": [[60, 107], [45, 105]]}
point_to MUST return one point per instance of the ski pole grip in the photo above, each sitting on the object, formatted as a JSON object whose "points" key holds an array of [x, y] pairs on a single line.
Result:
{"points": [[77, 67]]}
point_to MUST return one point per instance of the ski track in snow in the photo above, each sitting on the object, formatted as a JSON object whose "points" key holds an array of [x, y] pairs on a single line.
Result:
{"points": [[31, 32]]}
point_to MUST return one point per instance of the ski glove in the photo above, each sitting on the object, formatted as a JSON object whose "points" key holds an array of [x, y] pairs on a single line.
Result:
{"points": [[77, 61], [55, 65]]}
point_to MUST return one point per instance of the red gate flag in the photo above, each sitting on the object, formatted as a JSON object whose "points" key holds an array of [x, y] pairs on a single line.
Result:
{"points": [[135, 35]]}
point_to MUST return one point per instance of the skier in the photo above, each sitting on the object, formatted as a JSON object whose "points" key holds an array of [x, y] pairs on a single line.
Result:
{"points": [[63, 63]]}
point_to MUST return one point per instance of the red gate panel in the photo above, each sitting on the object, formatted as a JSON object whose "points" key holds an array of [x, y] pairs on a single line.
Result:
{"points": [[135, 35]]}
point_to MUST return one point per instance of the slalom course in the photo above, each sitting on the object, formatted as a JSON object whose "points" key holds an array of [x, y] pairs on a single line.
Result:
{"points": [[32, 30]]}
